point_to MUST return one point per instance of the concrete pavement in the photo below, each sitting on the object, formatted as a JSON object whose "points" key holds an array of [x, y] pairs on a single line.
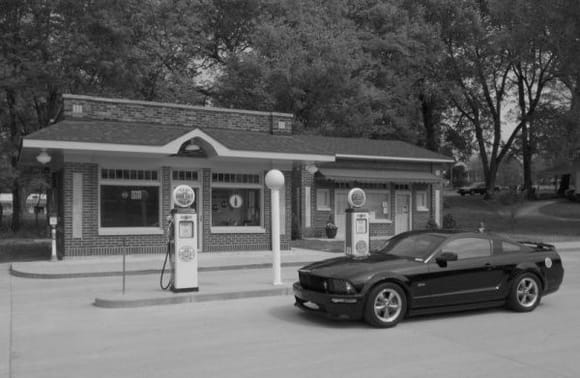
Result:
{"points": [[253, 276]]}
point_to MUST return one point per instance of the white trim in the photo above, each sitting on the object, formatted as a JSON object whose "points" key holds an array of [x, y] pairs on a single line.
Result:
{"points": [[174, 106], [410, 194], [438, 207], [422, 193], [307, 207], [323, 207], [77, 205], [394, 158], [173, 147], [130, 230], [237, 230], [381, 221]]}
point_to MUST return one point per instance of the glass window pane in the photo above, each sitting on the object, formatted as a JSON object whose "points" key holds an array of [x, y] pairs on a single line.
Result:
{"points": [[376, 205], [235, 207], [469, 247], [129, 206]]}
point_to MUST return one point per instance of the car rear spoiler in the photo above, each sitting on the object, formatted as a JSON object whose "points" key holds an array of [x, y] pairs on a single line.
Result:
{"points": [[538, 246]]}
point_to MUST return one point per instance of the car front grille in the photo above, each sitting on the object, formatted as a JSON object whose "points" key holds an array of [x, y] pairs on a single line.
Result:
{"points": [[312, 282]]}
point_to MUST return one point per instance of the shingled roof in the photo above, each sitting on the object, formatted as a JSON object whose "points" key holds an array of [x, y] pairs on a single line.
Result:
{"points": [[157, 135]]}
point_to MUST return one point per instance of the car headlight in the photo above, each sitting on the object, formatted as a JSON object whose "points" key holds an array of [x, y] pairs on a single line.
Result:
{"points": [[340, 287]]}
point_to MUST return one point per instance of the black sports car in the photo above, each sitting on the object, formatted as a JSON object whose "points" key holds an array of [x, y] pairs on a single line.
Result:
{"points": [[421, 272]]}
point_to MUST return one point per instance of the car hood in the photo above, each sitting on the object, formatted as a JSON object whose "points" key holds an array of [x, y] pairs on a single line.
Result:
{"points": [[348, 267]]}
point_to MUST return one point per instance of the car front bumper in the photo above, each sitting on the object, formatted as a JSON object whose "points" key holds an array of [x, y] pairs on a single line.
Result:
{"points": [[332, 305]]}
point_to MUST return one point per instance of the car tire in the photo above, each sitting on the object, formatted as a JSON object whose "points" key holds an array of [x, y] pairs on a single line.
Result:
{"points": [[386, 305], [526, 293]]}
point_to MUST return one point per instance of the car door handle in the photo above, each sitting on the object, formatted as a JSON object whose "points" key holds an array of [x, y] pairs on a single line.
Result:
{"points": [[489, 266]]}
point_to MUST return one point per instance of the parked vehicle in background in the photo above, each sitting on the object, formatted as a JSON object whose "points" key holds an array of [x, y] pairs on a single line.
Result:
{"points": [[475, 188]]}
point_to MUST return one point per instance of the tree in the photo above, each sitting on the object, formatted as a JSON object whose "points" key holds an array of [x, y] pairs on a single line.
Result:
{"points": [[131, 48], [304, 60]]}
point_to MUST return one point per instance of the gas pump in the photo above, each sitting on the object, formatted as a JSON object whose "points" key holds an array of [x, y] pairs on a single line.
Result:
{"points": [[357, 241], [182, 243]]}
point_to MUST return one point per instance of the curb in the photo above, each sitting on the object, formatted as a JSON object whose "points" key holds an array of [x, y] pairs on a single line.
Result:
{"points": [[18, 273], [189, 298]]}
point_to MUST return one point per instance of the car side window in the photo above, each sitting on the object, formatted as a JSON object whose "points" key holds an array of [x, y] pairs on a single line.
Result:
{"points": [[467, 248], [507, 247]]}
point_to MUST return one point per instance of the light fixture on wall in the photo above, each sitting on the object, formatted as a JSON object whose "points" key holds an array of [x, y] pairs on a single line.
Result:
{"points": [[43, 157], [311, 168]]}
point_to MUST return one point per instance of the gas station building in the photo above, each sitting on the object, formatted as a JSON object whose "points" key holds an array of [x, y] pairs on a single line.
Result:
{"points": [[113, 164]]}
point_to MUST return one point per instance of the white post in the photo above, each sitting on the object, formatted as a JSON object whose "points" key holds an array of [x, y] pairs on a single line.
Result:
{"points": [[53, 249], [276, 236], [275, 181]]}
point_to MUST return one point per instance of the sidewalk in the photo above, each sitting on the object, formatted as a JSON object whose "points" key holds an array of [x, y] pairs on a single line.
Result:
{"points": [[253, 276]]}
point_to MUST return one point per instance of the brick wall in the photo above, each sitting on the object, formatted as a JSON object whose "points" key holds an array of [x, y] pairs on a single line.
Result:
{"points": [[85, 107], [92, 243]]}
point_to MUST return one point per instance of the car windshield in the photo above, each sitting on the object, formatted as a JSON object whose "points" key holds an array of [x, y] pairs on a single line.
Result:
{"points": [[415, 246]]}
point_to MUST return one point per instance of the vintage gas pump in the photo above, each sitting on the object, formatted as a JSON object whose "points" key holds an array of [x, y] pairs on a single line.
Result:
{"points": [[357, 241], [182, 243]]}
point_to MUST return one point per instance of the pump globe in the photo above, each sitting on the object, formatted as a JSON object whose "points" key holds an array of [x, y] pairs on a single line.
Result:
{"points": [[183, 196], [274, 179]]}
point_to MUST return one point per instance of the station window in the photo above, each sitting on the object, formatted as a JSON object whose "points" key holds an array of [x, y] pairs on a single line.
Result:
{"points": [[129, 201], [379, 205], [236, 202], [421, 200], [322, 199]]}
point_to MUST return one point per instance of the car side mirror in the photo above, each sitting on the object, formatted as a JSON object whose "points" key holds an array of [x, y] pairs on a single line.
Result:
{"points": [[445, 257]]}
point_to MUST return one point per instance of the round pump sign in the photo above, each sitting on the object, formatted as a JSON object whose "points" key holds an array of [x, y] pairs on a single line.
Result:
{"points": [[356, 197], [183, 196]]}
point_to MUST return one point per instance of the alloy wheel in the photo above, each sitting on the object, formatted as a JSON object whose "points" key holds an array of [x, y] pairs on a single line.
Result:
{"points": [[527, 292], [388, 305]]}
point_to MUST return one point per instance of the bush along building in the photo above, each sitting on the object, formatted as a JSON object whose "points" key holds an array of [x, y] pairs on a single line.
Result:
{"points": [[114, 163]]}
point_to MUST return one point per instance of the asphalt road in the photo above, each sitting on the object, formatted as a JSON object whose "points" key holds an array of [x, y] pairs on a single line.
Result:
{"points": [[48, 328]]}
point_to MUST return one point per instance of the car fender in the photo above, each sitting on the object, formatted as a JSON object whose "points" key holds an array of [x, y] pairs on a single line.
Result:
{"points": [[386, 277], [531, 267]]}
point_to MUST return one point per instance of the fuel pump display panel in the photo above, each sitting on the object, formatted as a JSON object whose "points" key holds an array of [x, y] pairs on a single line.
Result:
{"points": [[361, 226], [186, 230]]}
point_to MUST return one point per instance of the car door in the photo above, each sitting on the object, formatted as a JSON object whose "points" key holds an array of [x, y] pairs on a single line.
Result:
{"points": [[472, 278]]}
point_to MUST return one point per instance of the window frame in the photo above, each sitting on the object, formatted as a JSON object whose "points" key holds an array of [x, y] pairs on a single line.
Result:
{"points": [[421, 194], [261, 229], [105, 231], [319, 206], [386, 193]]}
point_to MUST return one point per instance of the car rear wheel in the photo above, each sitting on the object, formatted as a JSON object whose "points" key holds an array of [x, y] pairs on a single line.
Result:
{"points": [[525, 294], [386, 305]]}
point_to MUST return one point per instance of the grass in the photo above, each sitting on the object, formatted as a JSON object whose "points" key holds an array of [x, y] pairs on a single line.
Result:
{"points": [[563, 209], [468, 212]]}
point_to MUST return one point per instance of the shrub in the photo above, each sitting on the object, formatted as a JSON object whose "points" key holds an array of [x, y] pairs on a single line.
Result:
{"points": [[449, 222], [432, 225]]}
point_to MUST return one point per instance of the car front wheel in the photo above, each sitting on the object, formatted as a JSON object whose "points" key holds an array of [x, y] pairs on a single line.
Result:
{"points": [[525, 294], [386, 305]]}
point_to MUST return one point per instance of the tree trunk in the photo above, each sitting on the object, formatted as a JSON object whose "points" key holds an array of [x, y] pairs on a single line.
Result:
{"points": [[16, 206], [429, 123], [527, 160]]}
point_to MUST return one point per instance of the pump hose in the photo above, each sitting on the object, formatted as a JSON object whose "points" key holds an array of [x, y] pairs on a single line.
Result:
{"points": [[163, 269]]}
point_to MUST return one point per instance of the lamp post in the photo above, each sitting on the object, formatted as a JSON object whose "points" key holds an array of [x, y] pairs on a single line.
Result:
{"points": [[275, 181]]}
